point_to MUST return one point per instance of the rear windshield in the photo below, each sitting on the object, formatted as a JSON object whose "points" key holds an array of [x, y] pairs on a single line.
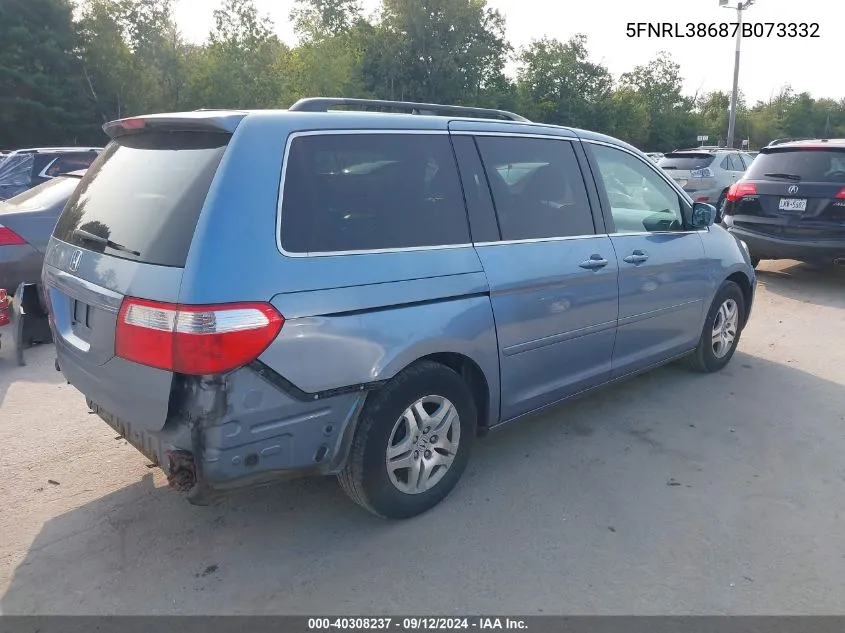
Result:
{"points": [[686, 161], [809, 165], [355, 192], [47, 194], [145, 193]]}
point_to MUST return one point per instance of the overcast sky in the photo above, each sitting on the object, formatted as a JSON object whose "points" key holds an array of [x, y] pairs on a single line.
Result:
{"points": [[706, 63]]}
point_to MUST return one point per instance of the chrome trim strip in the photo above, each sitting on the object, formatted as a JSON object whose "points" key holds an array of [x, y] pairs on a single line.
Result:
{"points": [[293, 136], [553, 137], [83, 290], [542, 239], [43, 173]]}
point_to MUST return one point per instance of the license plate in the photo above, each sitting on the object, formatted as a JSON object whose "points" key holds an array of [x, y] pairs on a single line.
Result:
{"points": [[793, 204]]}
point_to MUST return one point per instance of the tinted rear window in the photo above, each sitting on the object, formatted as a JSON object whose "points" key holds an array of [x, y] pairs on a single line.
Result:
{"points": [[686, 161], [145, 193], [47, 194], [354, 192], [808, 165]]}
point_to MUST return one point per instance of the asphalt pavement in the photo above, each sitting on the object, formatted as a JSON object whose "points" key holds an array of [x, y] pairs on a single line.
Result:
{"points": [[673, 493]]}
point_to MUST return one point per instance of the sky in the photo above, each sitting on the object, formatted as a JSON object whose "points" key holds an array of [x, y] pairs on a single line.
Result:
{"points": [[767, 63]]}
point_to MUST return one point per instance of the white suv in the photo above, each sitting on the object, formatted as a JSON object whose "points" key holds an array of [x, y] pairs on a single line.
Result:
{"points": [[706, 173]]}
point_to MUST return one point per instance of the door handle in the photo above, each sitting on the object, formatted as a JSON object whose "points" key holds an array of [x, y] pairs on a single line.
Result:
{"points": [[594, 263], [637, 257]]}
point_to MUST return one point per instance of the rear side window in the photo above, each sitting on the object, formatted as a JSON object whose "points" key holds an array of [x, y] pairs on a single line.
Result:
{"points": [[361, 192], [68, 163], [537, 186], [145, 193], [686, 161], [816, 165]]}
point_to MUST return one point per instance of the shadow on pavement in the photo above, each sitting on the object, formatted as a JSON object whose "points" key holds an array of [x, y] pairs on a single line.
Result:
{"points": [[553, 483], [39, 366], [809, 283]]}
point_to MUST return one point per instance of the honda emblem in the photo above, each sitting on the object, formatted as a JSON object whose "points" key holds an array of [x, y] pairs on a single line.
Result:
{"points": [[74, 260], [793, 189]]}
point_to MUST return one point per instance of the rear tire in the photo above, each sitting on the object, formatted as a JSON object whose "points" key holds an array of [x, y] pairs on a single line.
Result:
{"points": [[394, 483], [722, 329]]}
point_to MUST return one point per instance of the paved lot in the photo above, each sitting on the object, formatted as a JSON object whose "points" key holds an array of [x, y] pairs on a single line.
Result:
{"points": [[672, 493]]}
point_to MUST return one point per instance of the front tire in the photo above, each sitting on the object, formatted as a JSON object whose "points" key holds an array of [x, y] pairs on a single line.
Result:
{"points": [[722, 329], [412, 443]]}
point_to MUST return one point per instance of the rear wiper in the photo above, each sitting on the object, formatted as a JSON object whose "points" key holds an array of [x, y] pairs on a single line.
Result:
{"points": [[794, 177], [90, 237]]}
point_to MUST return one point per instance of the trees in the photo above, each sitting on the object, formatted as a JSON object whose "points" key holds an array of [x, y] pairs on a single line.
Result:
{"points": [[40, 79], [62, 74], [558, 84], [449, 51]]}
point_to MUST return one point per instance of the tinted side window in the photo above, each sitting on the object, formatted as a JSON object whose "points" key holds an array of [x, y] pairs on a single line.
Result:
{"points": [[354, 192], [736, 163], [726, 164], [71, 162], [640, 200], [537, 186]]}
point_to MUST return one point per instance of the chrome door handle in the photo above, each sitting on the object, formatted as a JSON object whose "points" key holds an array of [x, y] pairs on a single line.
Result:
{"points": [[594, 263], [637, 257]]}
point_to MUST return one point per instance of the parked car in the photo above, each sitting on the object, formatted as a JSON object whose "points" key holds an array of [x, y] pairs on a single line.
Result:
{"points": [[706, 173], [791, 202], [374, 291], [25, 168], [26, 224]]}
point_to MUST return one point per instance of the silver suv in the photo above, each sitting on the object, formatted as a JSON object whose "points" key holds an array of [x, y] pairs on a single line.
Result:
{"points": [[706, 173]]}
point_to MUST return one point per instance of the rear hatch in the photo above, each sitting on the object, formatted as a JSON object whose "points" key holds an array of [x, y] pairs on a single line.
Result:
{"points": [[691, 170], [793, 192], [126, 231]]}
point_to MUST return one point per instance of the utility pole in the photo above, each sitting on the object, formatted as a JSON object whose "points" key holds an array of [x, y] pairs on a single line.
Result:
{"points": [[740, 7]]}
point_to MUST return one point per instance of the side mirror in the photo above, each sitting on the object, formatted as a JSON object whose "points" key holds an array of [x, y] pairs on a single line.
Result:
{"points": [[703, 215]]}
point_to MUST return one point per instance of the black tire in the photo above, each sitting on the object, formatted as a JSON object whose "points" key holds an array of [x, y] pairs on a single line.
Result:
{"points": [[755, 261], [365, 478], [704, 358]]}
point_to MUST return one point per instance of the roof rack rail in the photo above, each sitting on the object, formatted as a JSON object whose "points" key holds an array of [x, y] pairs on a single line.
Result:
{"points": [[323, 104]]}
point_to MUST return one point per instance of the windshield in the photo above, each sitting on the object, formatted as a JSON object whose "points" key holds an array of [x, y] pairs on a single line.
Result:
{"points": [[815, 165], [686, 161], [145, 192], [45, 195]]}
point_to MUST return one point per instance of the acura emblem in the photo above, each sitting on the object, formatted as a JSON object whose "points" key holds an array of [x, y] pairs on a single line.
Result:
{"points": [[74, 261], [793, 189]]}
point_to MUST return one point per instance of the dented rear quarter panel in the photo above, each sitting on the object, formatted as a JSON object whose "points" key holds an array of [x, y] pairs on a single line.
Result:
{"points": [[349, 319]]}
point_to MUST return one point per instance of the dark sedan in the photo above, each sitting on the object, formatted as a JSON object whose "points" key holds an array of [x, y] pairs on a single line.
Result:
{"points": [[26, 223]]}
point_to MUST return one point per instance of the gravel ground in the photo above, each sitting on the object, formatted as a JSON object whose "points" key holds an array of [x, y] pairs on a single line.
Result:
{"points": [[673, 493]]}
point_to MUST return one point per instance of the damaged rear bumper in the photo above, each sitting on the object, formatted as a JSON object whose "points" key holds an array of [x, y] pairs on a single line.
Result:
{"points": [[238, 431]]}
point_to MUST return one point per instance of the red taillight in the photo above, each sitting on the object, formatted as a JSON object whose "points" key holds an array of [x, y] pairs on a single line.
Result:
{"points": [[195, 340], [133, 124], [9, 238], [841, 194], [740, 190]]}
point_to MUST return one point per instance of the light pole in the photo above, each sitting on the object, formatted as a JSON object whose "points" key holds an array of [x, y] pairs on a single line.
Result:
{"points": [[740, 7]]}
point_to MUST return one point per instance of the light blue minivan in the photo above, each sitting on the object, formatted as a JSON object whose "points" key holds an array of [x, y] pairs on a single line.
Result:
{"points": [[248, 296]]}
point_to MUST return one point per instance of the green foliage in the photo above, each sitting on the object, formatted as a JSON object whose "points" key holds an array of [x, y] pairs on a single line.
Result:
{"points": [[67, 66], [40, 95]]}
